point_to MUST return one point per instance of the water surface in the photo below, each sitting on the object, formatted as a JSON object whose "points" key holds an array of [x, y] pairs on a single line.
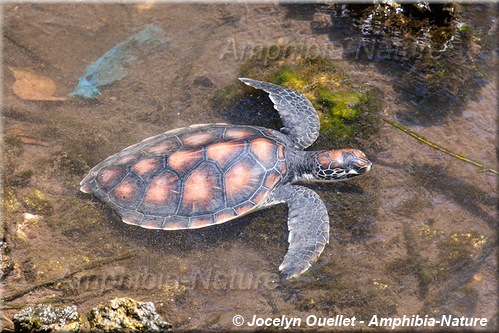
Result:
{"points": [[416, 236]]}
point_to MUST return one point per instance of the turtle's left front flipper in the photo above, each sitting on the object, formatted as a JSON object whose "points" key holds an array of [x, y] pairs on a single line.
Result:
{"points": [[308, 224], [300, 120]]}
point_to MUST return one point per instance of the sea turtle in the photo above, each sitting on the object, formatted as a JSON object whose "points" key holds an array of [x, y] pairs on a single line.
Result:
{"points": [[202, 175]]}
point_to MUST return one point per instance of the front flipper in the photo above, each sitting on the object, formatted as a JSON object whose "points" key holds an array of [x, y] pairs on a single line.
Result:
{"points": [[300, 120], [308, 224]]}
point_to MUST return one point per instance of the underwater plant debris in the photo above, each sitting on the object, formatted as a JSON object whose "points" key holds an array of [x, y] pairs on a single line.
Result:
{"points": [[111, 66]]}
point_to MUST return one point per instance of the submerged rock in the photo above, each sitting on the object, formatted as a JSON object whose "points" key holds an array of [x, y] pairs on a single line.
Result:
{"points": [[47, 318], [6, 263], [346, 105], [127, 315]]}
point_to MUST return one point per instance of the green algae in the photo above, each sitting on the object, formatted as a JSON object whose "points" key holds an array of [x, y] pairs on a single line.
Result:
{"points": [[458, 250], [428, 233], [37, 203], [10, 203], [465, 28], [21, 178], [339, 106], [344, 103], [13, 145], [71, 162], [76, 217], [340, 111], [455, 253], [413, 265]]}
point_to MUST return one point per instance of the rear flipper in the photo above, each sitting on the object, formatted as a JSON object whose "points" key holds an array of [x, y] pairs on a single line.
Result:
{"points": [[308, 224]]}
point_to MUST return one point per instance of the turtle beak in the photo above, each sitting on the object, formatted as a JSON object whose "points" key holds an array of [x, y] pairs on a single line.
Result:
{"points": [[358, 167], [366, 168], [363, 169], [360, 164]]}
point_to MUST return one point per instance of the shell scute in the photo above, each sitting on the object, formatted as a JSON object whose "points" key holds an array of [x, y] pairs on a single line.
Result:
{"points": [[244, 208], [224, 153], [152, 222], [280, 154], [129, 192], [265, 151], [147, 168], [123, 159], [272, 178], [201, 135], [175, 222], [198, 139], [108, 178], [225, 215], [163, 146], [238, 133], [130, 216], [281, 167], [201, 221], [184, 161], [242, 180], [260, 195], [203, 192], [163, 194]]}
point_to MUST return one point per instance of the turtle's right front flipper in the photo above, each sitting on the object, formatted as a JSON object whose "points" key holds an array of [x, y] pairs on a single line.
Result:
{"points": [[308, 224]]}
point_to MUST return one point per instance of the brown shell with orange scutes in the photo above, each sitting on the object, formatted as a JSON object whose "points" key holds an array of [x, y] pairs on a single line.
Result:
{"points": [[191, 177]]}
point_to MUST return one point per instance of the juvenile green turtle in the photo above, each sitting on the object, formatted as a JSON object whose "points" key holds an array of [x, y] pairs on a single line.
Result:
{"points": [[208, 174]]}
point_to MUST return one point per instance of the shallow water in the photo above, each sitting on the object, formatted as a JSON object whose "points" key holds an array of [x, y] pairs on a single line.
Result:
{"points": [[416, 236]]}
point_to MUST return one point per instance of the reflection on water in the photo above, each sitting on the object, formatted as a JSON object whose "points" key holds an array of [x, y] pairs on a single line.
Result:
{"points": [[436, 52], [416, 236]]}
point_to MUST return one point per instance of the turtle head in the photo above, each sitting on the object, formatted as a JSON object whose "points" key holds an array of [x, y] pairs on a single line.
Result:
{"points": [[341, 164]]}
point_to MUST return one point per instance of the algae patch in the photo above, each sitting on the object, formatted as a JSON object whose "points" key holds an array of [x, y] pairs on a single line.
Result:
{"points": [[458, 250], [10, 204], [339, 104], [37, 203], [345, 104]]}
